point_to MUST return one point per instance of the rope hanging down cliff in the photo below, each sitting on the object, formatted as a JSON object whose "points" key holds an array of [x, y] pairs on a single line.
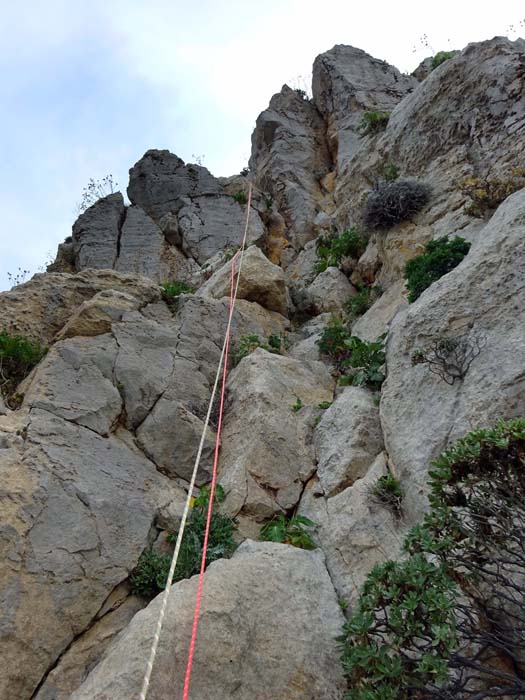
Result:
{"points": [[222, 368]]}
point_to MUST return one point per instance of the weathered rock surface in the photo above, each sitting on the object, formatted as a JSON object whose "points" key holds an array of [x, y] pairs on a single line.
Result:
{"points": [[260, 281], [97, 315], [96, 233], [267, 453], [347, 439], [77, 510], [329, 291], [289, 156], [39, 308], [377, 319], [248, 610], [354, 532], [159, 178], [209, 224], [346, 83], [141, 246], [485, 297]]}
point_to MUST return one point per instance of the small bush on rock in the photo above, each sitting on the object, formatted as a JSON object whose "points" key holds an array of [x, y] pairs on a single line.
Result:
{"points": [[289, 531], [331, 250], [449, 621], [333, 341], [240, 197], [488, 193], [18, 356], [172, 290], [151, 573], [360, 303], [387, 491], [440, 58], [95, 190], [372, 122], [367, 359], [440, 256], [450, 358], [390, 203]]}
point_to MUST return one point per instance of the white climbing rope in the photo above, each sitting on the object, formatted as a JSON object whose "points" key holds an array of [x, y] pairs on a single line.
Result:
{"points": [[165, 595]]}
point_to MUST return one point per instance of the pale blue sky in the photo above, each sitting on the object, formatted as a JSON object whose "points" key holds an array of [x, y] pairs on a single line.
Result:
{"points": [[88, 87]]}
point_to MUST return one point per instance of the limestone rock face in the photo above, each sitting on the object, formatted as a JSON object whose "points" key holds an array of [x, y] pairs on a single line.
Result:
{"points": [[329, 291], [267, 595], [289, 157], [209, 224], [354, 532], [267, 454], [67, 536], [41, 307], [159, 178], [96, 233], [347, 439], [260, 281], [485, 297], [141, 246], [346, 83]]}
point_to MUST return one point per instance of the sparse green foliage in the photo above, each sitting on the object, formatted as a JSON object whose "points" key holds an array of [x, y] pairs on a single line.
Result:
{"points": [[357, 305], [486, 194], [387, 491], [440, 58], [240, 197], [390, 172], [172, 290], [297, 405], [151, 573], [275, 341], [324, 405], [390, 203], [18, 356], [373, 122], [449, 621], [331, 250], [368, 358], [290, 531], [440, 256], [332, 340], [248, 343]]}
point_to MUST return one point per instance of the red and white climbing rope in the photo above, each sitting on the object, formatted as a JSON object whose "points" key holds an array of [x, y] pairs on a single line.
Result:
{"points": [[222, 369]]}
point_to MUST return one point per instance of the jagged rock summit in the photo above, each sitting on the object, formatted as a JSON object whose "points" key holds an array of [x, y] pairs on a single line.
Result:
{"points": [[97, 441]]}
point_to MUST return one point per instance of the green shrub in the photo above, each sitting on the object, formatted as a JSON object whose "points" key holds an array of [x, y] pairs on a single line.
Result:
{"points": [[486, 194], [390, 172], [440, 256], [18, 356], [331, 250], [297, 406], [172, 290], [240, 197], [390, 203], [276, 342], [387, 491], [372, 122], [248, 343], [368, 358], [290, 531], [324, 405], [440, 58], [333, 340], [360, 303], [151, 572], [449, 621]]}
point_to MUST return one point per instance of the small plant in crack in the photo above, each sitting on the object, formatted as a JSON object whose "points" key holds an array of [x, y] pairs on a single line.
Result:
{"points": [[388, 492], [289, 531], [172, 290], [297, 406], [450, 358], [18, 356]]}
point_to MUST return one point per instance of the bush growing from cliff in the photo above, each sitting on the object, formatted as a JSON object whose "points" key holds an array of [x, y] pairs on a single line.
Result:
{"points": [[172, 290], [95, 190], [248, 343], [331, 250], [372, 122], [440, 58], [450, 358], [390, 203], [486, 194], [449, 620], [360, 303], [289, 531], [240, 197], [18, 356], [440, 256], [388, 492], [151, 572]]}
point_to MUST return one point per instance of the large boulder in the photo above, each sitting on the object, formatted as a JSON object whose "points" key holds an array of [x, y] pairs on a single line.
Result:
{"points": [[289, 157], [267, 453], [260, 281], [483, 298], [141, 246], [160, 178], [209, 224], [354, 530], [347, 439], [96, 233], [77, 511], [267, 597], [329, 292], [40, 308]]}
